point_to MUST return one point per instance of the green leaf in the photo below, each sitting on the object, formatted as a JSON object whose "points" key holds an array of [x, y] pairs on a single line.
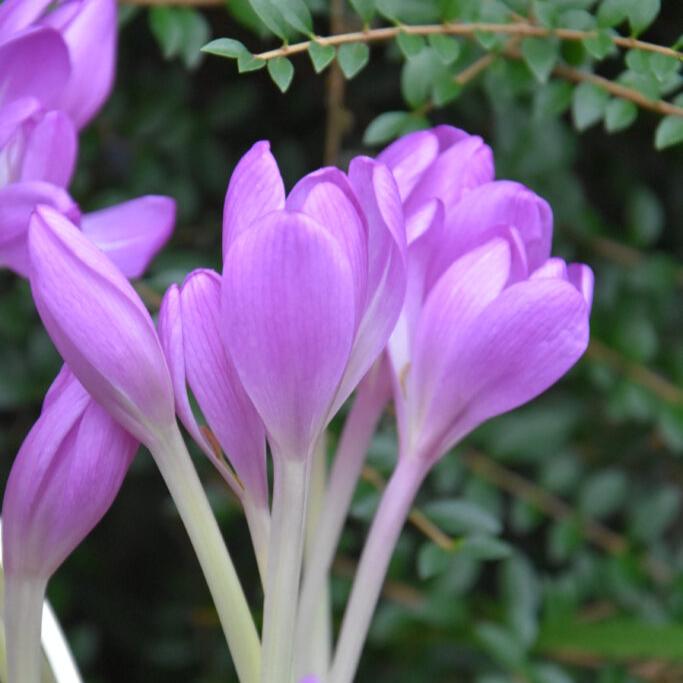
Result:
{"points": [[619, 115], [615, 639], [483, 548], [225, 47], [365, 9], [487, 39], [417, 77], [669, 132], [432, 560], [613, 12], [540, 54], [641, 13], [603, 493], [352, 58], [247, 62], [269, 14], [321, 55], [297, 15], [663, 66], [600, 45], [546, 12], [281, 70], [653, 515], [521, 593], [386, 127], [462, 517], [588, 105], [447, 48], [638, 61], [644, 216], [167, 29], [445, 90], [411, 45], [196, 32], [553, 99], [577, 19], [500, 644]]}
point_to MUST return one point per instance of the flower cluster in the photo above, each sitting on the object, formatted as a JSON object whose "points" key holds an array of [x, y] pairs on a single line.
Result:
{"points": [[414, 277]]}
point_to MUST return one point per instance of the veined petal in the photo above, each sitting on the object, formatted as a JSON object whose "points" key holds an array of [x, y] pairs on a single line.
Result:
{"points": [[581, 276], [17, 202], [99, 325], [525, 341], [51, 148], [435, 393], [16, 15], [90, 32], [288, 323], [380, 201], [12, 116], [255, 189], [215, 384], [461, 167], [133, 232], [64, 479], [36, 64], [327, 197], [483, 211]]}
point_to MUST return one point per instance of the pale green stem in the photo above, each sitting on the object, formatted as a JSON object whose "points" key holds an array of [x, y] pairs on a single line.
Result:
{"points": [[56, 649], [258, 521], [359, 428], [175, 465], [23, 617], [386, 528], [314, 656], [285, 556]]}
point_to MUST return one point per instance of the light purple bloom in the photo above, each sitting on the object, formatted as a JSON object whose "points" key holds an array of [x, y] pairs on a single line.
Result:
{"points": [[312, 285], [64, 479], [490, 320], [100, 326]]}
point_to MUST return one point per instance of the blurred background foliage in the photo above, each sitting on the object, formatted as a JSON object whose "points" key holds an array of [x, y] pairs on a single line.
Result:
{"points": [[547, 548]]}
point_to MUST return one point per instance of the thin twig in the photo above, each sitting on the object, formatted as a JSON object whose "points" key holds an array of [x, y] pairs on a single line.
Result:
{"points": [[517, 29]]}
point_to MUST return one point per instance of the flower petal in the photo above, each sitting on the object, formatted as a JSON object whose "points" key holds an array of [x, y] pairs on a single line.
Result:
{"points": [[12, 116], [435, 392], [99, 326], [483, 211], [16, 15], [255, 189], [133, 232], [327, 197], [34, 64], [17, 202], [288, 323], [215, 384], [51, 148], [64, 479], [89, 29], [581, 276]]}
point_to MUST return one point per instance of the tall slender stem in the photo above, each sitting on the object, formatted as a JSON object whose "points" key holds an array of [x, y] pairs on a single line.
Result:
{"points": [[379, 547], [360, 425], [176, 467], [285, 557], [23, 617], [258, 521]]}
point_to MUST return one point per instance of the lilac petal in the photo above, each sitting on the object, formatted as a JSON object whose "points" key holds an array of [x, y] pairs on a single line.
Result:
{"points": [[525, 341], [461, 167], [216, 386], [581, 276], [51, 149], [34, 64], [89, 29], [12, 117], [288, 323], [409, 157], [64, 479], [552, 268], [16, 15], [327, 197], [100, 326], [459, 297], [480, 214], [17, 202], [380, 201], [133, 232], [448, 136], [255, 189]]}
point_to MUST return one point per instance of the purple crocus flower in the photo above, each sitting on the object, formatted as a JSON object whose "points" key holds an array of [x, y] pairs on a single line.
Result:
{"points": [[64, 479], [57, 70]]}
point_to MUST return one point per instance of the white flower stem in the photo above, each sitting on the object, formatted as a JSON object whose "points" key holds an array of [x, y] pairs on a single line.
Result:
{"points": [[175, 465], [285, 558], [23, 616], [379, 547], [348, 462], [258, 521]]}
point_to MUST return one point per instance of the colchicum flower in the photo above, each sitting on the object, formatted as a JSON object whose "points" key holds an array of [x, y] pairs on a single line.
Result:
{"points": [[57, 70], [490, 321], [63, 480]]}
